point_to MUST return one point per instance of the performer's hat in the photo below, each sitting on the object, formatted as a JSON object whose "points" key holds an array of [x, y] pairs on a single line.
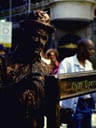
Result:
{"points": [[37, 18]]}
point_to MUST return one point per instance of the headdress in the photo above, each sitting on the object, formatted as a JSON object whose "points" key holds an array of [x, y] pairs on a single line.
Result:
{"points": [[37, 18]]}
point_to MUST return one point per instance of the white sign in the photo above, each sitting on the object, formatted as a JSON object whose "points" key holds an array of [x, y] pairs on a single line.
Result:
{"points": [[6, 33]]}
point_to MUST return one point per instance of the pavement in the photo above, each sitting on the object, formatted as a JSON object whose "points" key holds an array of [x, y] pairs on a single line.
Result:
{"points": [[65, 125]]}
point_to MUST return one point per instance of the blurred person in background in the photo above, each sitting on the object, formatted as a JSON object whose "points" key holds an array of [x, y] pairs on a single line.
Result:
{"points": [[52, 55], [80, 107], [3, 50]]}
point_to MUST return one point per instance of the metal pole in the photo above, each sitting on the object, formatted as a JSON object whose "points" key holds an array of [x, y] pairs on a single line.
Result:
{"points": [[10, 10], [29, 6], [42, 4]]}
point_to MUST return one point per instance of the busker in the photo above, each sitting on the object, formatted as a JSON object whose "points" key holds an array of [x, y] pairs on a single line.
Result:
{"points": [[25, 71]]}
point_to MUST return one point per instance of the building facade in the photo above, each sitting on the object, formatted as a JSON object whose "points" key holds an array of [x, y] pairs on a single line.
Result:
{"points": [[73, 20]]}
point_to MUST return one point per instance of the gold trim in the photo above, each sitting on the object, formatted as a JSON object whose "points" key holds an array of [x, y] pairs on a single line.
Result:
{"points": [[69, 45]]}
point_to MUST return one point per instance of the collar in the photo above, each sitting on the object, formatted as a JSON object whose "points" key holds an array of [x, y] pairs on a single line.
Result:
{"points": [[77, 62]]}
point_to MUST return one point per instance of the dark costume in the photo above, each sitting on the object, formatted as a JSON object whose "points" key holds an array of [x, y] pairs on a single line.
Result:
{"points": [[28, 82]]}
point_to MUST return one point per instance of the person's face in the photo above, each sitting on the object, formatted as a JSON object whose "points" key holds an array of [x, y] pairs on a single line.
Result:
{"points": [[40, 38], [52, 56], [2, 52], [90, 50]]}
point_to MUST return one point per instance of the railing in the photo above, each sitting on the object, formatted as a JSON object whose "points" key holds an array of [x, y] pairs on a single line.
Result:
{"points": [[24, 9]]}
